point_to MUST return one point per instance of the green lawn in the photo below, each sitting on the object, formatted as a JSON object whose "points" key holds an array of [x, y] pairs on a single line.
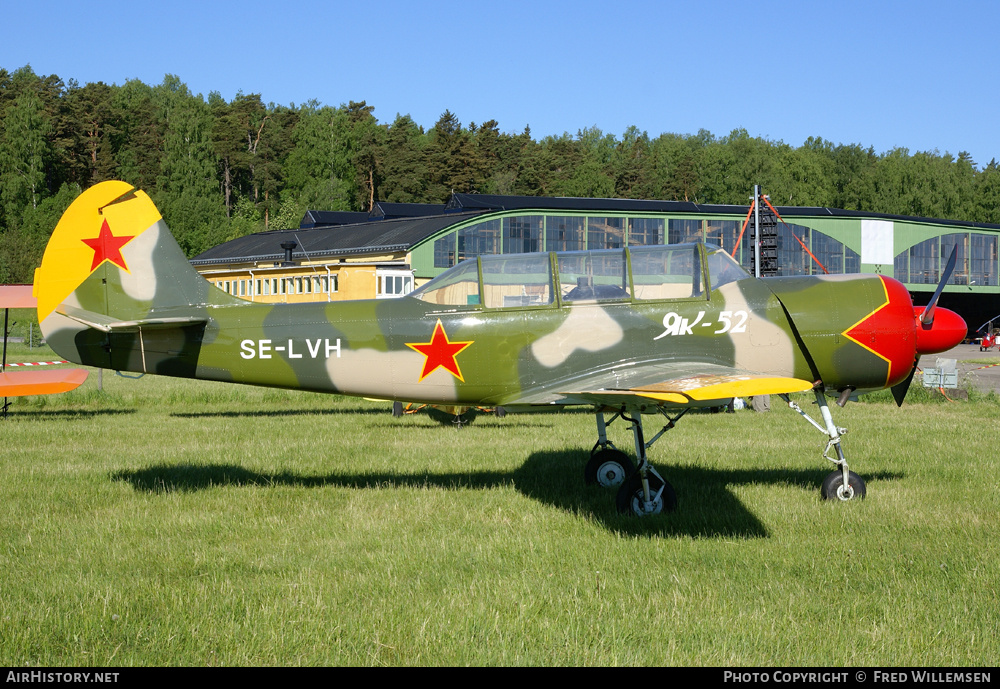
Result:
{"points": [[164, 522]]}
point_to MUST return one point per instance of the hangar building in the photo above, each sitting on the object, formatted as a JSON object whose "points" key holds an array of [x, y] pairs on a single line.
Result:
{"points": [[396, 247]]}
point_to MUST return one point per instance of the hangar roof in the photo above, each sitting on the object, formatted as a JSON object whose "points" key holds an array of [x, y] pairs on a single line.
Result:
{"points": [[373, 237], [392, 227]]}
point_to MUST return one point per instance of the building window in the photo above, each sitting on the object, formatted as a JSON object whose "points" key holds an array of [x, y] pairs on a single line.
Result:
{"points": [[479, 239], [645, 231], [605, 233], [983, 266], [919, 263], [393, 283], [683, 231], [522, 234], [444, 251], [565, 233], [723, 234]]}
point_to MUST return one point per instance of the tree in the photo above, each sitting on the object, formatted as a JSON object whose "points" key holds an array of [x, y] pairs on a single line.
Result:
{"points": [[186, 188], [402, 161], [317, 172], [138, 139], [93, 122], [451, 159], [24, 154]]}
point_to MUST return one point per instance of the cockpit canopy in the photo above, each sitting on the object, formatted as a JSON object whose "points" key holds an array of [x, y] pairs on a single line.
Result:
{"points": [[675, 271]]}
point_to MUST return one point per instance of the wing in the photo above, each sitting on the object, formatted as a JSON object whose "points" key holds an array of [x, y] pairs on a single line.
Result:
{"points": [[21, 383], [678, 385]]}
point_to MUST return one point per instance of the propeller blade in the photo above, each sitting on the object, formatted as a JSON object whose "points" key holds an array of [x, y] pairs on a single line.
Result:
{"points": [[927, 318], [899, 389]]}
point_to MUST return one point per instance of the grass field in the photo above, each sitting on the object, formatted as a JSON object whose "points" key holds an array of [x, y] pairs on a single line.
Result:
{"points": [[172, 522]]}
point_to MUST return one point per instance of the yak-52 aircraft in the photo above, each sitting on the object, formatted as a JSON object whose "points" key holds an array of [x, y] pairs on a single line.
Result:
{"points": [[640, 330]]}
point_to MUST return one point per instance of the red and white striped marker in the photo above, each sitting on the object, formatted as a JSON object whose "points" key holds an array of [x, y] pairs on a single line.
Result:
{"points": [[39, 363]]}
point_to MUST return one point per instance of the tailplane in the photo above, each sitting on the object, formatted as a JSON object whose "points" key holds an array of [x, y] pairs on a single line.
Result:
{"points": [[115, 290]]}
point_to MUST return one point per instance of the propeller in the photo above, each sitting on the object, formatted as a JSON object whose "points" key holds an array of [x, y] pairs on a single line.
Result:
{"points": [[927, 340], [927, 317]]}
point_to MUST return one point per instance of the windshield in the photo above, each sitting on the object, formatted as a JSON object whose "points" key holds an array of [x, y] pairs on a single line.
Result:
{"points": [[723, 268], [456, 287]]}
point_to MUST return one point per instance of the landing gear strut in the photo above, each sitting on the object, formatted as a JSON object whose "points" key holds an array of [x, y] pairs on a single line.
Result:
{"points": [[841, 484], [608, 466], [642, 491]]}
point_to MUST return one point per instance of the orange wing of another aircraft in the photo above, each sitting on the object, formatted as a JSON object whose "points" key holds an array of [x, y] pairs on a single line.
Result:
{"points": [[21, 383], [17, 297]]}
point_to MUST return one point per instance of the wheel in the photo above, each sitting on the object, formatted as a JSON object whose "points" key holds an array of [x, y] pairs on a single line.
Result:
{"points": [[397, 409], [607, 468], [630, 498], [833, 486], [453, 416], [500, 412]]}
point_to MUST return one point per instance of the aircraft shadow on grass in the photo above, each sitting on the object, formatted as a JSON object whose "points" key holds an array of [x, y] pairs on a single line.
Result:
{"points": [[707, 506], [380, 416], [67, 414]]}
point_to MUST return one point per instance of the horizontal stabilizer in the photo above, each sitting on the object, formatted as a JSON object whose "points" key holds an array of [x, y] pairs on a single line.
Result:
{"points": [[109, 325], [22, 383]]}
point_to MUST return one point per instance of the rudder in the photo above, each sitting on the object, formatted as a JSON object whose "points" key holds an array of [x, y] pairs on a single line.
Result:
{"points": [[112, 269]]}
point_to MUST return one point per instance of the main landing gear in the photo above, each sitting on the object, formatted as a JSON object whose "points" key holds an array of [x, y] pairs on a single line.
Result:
{"points": [[641, 490], [842, 484]]}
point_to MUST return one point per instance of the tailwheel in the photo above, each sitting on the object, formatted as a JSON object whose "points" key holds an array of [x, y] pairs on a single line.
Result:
{"points": [[834, 488], [607, 468], [631, 498]]}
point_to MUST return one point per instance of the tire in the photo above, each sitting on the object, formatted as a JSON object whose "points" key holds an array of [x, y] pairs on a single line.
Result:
{"points": [[832, 484], [449, 418], [607, 468], [629, 499]]}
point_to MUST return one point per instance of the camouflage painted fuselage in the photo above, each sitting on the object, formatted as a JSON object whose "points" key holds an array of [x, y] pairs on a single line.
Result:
{"points": [[151, 312]]}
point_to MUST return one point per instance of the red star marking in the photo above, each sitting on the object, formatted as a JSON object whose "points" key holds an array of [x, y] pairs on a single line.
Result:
{"points": [[107, 247], [887, 332], [440, 353]]}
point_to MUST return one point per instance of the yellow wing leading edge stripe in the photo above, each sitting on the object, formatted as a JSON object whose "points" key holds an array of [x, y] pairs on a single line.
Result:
{"points": [[702, 388]]}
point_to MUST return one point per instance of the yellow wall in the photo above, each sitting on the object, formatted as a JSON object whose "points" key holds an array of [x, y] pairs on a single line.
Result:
{"points": [[355, 279]]}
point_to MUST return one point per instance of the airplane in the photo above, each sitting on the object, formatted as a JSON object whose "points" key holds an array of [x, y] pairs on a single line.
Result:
{"points": [[30, 382], [640, 330]]}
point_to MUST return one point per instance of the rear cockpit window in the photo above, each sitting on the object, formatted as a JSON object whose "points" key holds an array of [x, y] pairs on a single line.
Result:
{"points": [[592, 275], [666, 272]]}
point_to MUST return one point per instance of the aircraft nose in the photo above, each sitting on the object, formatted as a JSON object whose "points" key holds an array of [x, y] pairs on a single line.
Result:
{"points": [[947, 330]]}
